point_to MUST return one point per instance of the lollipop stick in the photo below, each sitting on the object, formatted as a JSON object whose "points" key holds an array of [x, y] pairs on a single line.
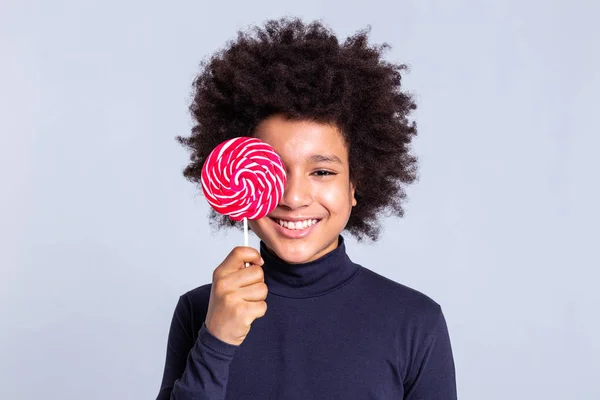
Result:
{"points": [[246, 237], [245, 231]]}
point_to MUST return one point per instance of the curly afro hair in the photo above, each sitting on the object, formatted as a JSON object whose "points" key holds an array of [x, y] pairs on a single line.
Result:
{"points": [[302, 71]]}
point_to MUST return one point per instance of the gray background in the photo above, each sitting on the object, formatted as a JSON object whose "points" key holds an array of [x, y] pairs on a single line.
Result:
{"points": [[100, 233]]}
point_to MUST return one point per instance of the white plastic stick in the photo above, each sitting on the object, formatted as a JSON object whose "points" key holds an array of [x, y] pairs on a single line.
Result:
{"points": [[246, 237]]}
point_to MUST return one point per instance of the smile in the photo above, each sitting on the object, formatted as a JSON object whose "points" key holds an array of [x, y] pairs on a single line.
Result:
{"points": [[295, 229], [296, 225]]}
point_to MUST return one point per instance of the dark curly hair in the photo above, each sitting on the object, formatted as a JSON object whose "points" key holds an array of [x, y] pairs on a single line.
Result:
{"points": [[301, 70]]}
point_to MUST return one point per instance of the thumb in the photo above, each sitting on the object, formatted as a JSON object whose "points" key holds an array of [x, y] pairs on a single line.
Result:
{"points": [[237, 259]]}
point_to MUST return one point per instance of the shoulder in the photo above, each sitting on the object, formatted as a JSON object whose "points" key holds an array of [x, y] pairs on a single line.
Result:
{"points": [[416, 320], [197, 297], [192, 307], [398, 291], [411, 306]]}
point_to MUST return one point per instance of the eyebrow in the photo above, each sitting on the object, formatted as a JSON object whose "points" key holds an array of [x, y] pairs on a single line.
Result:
{"points": [[319, 158]]}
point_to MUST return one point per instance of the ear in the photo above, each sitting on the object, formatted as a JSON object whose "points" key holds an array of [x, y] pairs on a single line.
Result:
{"points": [[352, 192]]}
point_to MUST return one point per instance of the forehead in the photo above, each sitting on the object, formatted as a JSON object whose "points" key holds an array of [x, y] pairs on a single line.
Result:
{"points": [[296, 140]]}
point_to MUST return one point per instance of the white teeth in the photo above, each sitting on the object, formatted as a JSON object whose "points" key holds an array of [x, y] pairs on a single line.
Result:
{"points": [[298, 224]]}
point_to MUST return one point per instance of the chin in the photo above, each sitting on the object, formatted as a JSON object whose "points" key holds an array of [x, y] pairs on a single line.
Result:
{"points": [[297, 247], [301, 251], [292, 254]]}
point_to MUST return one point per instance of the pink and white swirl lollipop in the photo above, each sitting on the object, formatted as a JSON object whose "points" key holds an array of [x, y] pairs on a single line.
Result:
{"points": [[243, 178]]}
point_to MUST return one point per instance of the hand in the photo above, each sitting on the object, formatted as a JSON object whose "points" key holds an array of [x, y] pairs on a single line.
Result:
{"points": [[237, 296]]}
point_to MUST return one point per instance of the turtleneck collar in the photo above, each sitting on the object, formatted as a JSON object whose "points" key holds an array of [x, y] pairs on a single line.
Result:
{"points": [[310, 279]]}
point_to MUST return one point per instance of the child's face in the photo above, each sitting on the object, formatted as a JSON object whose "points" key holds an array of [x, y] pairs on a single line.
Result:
{"points": [[318, 188]]}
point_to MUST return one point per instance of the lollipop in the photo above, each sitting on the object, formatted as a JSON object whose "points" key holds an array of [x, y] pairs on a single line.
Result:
{"points": [[243, 178]]}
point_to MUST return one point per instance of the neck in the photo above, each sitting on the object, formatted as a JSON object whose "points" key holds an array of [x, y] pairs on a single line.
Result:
{"points": [[310, 279]]}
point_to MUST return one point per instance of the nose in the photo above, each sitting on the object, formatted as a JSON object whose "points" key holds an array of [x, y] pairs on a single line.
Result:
{"points": [[296, 193]]}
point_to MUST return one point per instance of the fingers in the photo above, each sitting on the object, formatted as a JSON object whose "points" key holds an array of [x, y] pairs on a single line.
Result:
{"points": [[237, 295], [242, 278], [254, 292], [254, 310], [236, 260]]}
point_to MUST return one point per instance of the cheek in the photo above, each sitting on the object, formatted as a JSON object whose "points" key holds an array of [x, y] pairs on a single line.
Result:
{"points": [[336, 197], [258, 225], [253, 225]]}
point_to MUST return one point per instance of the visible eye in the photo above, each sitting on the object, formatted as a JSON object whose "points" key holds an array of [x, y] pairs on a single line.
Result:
{"points": [[323, 172]]}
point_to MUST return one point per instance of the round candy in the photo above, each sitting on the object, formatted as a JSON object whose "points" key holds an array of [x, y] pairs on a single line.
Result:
{"points": [[243, 178]]}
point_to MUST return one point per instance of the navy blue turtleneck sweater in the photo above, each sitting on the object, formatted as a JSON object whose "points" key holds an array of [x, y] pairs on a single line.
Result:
{"points": [[333, 330]]}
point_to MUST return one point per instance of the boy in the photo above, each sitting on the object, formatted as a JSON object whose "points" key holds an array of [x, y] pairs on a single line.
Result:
{"points": [[333, 329]]}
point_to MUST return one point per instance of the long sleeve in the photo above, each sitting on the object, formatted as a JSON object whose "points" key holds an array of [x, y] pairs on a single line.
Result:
{"points": [[434, 377], [194, 369]]}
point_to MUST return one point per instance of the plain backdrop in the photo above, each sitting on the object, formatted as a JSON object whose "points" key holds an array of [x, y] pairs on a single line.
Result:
{"points": [[100, 233]]}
